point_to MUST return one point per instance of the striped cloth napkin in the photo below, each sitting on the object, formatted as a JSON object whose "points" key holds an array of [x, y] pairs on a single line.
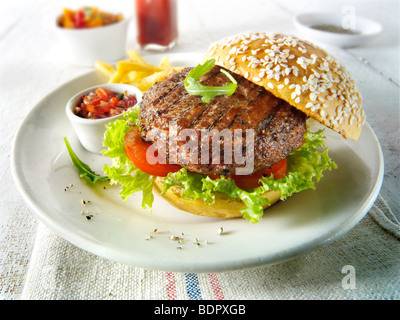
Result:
{"points": [[59, 270]]}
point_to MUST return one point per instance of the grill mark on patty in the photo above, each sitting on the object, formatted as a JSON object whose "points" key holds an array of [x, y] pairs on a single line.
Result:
{"points": [[230, 99], [187, 111], [170, 104], [197, 122], [250, 102], [218, 121], [209, 108], [176, 83], [199, 116]]}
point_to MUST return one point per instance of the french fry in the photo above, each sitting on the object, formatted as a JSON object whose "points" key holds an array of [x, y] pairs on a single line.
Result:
{"points": [[146, 82], [136, 71], [137, 66], [119, 76], [136, 75], [164, 63], [105, 68], [134, 55]]}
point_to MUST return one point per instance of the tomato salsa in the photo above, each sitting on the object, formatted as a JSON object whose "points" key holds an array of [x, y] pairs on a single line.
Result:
{"points": [[103, 103], [87, 17]]}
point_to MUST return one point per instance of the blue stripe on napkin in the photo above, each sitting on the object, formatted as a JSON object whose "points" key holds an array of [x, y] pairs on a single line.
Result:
{"points": [[193, 286]]}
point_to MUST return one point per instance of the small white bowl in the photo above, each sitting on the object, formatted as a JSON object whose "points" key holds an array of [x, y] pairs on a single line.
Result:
{"points": [[90, 132], [364, 29], [83, 47]]}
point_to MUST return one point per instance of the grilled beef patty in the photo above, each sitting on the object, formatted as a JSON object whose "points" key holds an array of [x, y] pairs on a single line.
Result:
{"points": [[278, 127]]}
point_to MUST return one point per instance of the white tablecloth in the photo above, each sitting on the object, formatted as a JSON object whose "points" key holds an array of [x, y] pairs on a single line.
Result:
{"points": [[37, 264]]}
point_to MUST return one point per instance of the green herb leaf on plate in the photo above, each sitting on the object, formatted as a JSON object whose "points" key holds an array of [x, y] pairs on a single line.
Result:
{"points": [[83, 169]]}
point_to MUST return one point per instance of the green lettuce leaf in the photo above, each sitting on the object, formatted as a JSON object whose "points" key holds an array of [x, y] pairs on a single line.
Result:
{"points": [[122, 170], [305, 166]]}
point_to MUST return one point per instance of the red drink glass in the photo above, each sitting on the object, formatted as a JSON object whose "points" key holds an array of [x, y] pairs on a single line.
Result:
{"points": [[157, 24]]}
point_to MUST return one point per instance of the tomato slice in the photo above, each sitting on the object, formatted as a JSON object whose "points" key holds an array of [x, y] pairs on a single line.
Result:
{"points": [[279, 170], [136, 149]]}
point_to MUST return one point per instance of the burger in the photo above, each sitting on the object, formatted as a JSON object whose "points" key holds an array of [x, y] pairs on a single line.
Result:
{"points": [[231, 136]]}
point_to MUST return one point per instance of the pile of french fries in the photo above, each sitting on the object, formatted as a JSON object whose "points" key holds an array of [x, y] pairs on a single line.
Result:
{"points": [[136, 71]]}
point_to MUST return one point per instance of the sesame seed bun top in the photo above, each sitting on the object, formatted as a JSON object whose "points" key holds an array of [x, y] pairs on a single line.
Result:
{"points": [[297, 71]]}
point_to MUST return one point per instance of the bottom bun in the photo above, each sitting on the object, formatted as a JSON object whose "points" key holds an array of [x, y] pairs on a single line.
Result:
{"points": [[223, 207]]}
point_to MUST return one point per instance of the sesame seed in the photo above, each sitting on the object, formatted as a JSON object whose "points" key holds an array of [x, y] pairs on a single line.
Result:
{"points": [[313, 96], [220, 231], [298, 90]]}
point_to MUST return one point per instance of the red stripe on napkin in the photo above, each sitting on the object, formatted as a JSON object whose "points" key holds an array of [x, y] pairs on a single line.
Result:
{"points": [[216, 288], [171, 285]]}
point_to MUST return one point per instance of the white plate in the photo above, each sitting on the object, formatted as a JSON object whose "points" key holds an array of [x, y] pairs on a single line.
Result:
{"points": [[366, 29], [118, 230]]}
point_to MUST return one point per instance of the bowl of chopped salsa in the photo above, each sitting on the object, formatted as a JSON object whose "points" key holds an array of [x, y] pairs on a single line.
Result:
{"points": [[90, 110], [89, 34]]}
